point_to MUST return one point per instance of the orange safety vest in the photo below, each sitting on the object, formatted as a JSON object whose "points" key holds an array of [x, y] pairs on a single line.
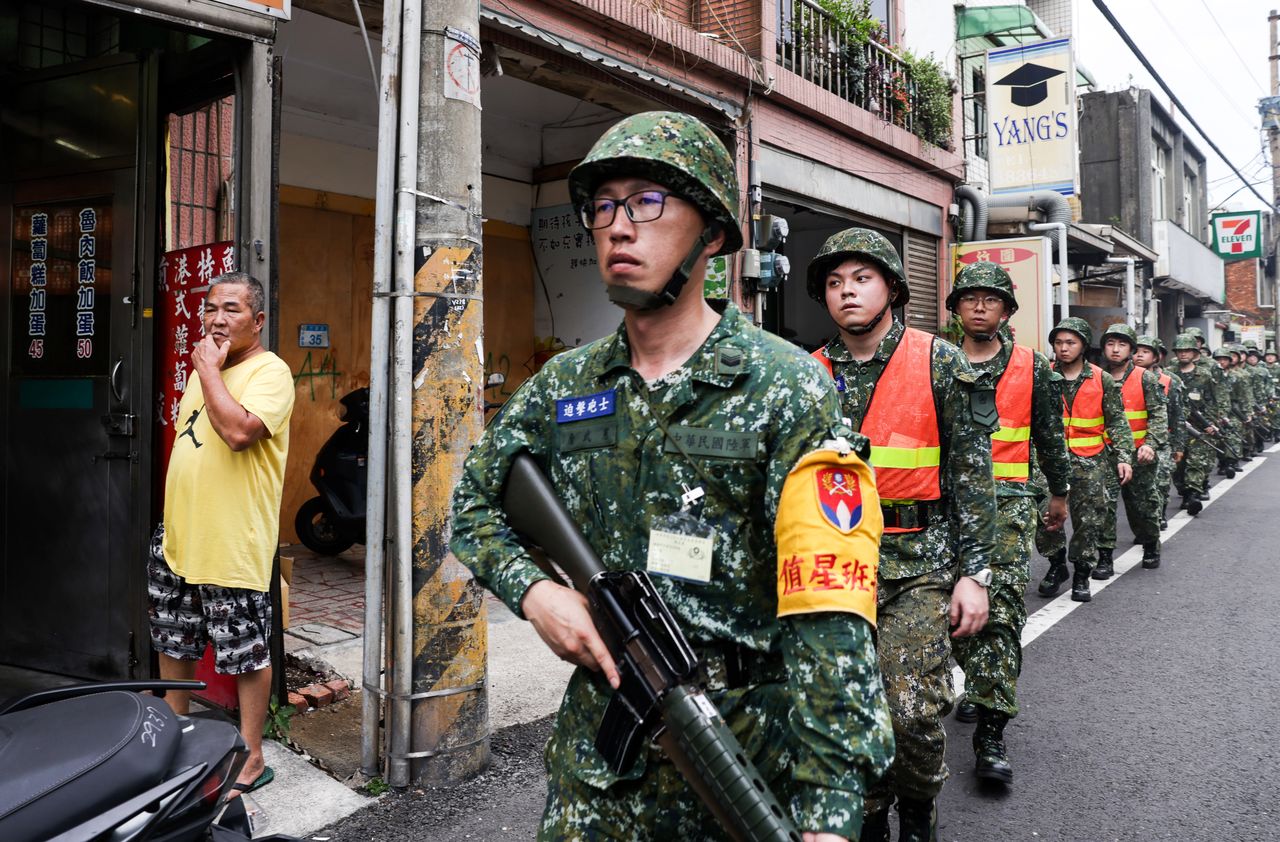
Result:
{"points": [[902, 423], [1165, 380], [1083, 420], [1011, 444], [1135, 405]]}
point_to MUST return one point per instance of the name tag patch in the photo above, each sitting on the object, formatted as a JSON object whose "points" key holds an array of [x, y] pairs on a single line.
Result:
{"points": [[719, 444], [586, 407], [840, 384], [586, 436]]}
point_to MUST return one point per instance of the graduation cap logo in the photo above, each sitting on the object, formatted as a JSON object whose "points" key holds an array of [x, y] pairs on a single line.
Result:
{"points": [[1029, 83]]}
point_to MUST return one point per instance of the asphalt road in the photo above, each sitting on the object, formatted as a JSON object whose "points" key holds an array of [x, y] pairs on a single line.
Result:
{"points": [[1150, 713]]}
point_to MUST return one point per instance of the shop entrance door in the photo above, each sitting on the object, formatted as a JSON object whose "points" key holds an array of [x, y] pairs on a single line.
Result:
{"points": [[75, 484]]}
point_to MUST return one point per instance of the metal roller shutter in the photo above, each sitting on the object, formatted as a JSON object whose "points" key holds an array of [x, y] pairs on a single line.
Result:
{"points": [[922, 276]]}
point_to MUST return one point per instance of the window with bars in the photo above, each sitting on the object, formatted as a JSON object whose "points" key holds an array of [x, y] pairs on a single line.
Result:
{"points": [[201, 175], [51, 33]]}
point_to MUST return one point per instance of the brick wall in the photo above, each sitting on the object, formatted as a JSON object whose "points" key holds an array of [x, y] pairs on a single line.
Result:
{"points": [[1242, 288]]}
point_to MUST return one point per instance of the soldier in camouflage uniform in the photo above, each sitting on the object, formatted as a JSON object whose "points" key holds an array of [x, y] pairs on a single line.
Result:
{"points": [[983, 298], [936, 554], [1203, 405], [1228, 426], [1141, 496], [1090, 464], [1262, 394], [1241, 402], [1272, 361], [1150, 355], [801, 692]]}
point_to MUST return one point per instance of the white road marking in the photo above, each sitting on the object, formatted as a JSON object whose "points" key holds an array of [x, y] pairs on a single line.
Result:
{"points": [[1052, 613]]}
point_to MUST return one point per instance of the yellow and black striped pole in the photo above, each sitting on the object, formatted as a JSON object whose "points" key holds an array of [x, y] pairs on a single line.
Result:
{"points": [[449, 703]]}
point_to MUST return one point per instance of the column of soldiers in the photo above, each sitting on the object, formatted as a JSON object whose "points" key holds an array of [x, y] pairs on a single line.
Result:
{"points": [[980, 451]]}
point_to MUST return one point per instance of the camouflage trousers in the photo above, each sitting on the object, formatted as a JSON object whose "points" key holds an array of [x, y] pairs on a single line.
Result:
{"points": [[992, 658], [660, 805], [1192, 474], [1164, 478], [914, 647], [1142, 505], [1232, 444], [1088, 503]]}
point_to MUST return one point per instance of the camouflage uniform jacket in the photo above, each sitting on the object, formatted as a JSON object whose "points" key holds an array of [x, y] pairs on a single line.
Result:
{"points": [[1262, 386], [1241, 393], [1177, 411], [1157, 405], [749, 405], [1117, 426], [1203, 398], [1049, 443], [968, 492]]}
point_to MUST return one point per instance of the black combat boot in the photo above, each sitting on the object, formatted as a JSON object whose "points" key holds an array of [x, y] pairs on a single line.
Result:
{"points": [[917, 821], [966, 711], [1106, 568], [988, 747], [1192, 504], [1080, 586], [875, 826], [1151, 555], [1052, 582]]}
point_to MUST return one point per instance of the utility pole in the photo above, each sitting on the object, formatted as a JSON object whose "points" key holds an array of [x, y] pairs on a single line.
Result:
{"points": [[1273, 135], [449, 708]]}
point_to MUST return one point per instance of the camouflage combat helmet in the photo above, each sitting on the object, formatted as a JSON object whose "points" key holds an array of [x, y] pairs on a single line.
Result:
{"points": [[1146, 340], [858, 242], [984, 275], [1122, 330], [1160, 346], [675, 150], [1195, 333], [1249, 343], [1185, 342], [1222, 352], [1076, 325], [1270, 352], [1251, 349]]}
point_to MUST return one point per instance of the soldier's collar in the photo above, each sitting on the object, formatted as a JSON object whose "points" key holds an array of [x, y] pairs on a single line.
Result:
{"points": [[719, 360], [838, 352]]}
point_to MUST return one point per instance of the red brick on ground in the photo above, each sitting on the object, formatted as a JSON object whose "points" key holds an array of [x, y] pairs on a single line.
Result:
{"points": [[317, 695], [298, 702], [341, 688]]}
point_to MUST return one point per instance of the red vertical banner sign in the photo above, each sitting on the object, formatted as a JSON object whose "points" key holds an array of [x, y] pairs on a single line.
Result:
{"points": [[185, 277]]}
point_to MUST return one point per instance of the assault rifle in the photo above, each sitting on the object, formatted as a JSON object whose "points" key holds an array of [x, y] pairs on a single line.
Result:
{"points": [[1203, 436], [659, 697]]}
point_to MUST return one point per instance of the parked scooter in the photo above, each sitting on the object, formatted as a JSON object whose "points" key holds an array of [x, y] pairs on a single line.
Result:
{"points": [[104, 762], [335, 520]]}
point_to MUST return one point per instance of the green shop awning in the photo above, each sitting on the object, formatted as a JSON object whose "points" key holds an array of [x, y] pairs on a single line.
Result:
{"points": [[980, 29]]}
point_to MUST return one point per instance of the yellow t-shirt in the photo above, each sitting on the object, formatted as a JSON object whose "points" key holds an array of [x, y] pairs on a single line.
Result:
{"points": [[222, 508]]}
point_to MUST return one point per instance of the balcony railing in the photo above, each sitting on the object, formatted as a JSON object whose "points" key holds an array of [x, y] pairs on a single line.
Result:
{"points": [[816, 46]]}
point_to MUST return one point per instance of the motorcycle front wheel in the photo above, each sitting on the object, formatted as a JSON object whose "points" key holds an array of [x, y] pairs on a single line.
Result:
{"points": [[316, 528]]}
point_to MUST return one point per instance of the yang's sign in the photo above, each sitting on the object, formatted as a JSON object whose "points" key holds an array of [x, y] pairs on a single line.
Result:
{"points": [[1236, 235], [1031, 117]]}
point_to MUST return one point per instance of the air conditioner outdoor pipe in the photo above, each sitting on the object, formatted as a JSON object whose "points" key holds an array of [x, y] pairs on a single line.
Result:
{"points": [[1130, 316], [973, 211]]}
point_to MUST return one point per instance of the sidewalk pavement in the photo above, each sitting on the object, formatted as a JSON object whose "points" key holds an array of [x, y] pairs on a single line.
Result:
{"points": [[526, 682]]}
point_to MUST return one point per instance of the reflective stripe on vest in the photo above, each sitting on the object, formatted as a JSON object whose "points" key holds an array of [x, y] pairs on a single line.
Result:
{"points": [[1083, 420], [1135, 406], [1011, 444], [902, 423]]}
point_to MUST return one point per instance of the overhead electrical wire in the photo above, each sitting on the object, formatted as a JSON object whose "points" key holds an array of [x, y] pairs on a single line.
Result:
{"points": [[1232, 45], [1124, 36]]}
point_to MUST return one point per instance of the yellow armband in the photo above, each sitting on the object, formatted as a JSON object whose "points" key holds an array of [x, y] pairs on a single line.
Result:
{"points": [[828, 536]]}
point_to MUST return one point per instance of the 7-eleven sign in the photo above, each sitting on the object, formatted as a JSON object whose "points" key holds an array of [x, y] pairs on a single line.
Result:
{"points": [[1237, 235]]}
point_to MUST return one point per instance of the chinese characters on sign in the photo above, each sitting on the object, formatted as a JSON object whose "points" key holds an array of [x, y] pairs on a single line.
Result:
{"points": [[1027, 260], [60, 287], [184, 279]]}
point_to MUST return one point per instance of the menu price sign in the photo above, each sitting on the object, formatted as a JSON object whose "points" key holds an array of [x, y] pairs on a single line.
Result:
{"points": [[61, 288]]}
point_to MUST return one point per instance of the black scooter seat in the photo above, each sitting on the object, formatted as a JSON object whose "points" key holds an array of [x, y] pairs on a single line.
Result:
{"points": [[66, 761]]}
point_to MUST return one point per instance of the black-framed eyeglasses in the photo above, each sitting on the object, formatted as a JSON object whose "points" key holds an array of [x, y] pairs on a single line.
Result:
{"points": [[989, 301], [641, 206]]}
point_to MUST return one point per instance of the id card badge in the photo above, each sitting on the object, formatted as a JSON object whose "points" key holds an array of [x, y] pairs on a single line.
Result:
{"points": [[681, 546]]}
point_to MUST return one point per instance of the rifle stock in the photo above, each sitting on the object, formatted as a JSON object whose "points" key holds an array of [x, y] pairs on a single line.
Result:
{"points": [[688, 727]]}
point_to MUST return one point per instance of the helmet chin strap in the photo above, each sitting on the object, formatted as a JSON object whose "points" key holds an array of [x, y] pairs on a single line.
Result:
{"points": [[630, 298], [869, 326]]}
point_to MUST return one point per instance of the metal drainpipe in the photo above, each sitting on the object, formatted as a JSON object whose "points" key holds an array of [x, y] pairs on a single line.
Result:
{"points": [[975, 221], [1061, 227], [379, 365], [402, 398], [1130, 316]]}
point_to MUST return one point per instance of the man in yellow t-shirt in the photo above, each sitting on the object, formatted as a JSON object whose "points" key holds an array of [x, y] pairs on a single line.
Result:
{"points": [[210, 568]]}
